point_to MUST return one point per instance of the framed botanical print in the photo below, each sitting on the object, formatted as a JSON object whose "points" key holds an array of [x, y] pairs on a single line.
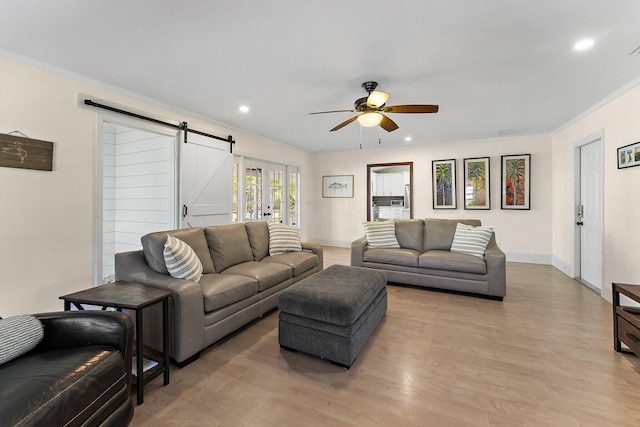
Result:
{"points": [[516, 181], [476, 183], [337, 186], [444, 184]]}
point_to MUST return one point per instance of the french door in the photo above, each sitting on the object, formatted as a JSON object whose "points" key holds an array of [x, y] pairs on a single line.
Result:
{"points": [[264, 191]]}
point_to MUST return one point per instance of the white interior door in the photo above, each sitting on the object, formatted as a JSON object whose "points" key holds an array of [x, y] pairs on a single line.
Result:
{"points": [[205, 181], [590, 209]]}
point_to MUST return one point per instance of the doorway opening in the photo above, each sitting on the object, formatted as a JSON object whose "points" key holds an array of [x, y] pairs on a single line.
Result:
{"points": [[138, 190], [389, 194]]}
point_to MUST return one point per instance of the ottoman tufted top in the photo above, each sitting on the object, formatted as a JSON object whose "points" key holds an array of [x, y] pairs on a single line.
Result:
{"points": [[336, 295]]}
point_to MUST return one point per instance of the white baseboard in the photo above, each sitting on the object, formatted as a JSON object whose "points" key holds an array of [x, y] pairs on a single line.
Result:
{"points": [[528, 258], [335, 243], [561, 265]]}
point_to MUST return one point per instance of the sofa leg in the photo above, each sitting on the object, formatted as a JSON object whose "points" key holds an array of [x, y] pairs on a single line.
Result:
{"points": [[185, 362], [293, 350]]}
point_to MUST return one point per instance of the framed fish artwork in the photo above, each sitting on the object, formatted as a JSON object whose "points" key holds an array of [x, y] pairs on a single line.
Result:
{"points": [[337, 186]]}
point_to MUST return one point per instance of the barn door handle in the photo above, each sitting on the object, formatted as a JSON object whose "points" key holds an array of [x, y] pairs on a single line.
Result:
{"points": [[184, 211]]}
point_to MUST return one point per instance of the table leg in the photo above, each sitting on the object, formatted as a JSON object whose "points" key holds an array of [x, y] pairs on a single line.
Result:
{"points": [[67, 305], [139, 357], [615, 303], [165, 338]]}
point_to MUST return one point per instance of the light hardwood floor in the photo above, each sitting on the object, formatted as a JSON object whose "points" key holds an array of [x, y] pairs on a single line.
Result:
{"points": [[542, 357]]}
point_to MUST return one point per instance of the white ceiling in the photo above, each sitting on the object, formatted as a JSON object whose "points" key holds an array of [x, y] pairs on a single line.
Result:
{"points": [[495, 67]]}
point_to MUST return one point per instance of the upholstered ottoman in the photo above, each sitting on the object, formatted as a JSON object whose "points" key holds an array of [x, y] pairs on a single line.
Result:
{"points": [[332, 314]]}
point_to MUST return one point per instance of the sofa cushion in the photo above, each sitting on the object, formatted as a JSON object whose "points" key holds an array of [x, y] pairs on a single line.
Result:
{"points": [[471, 240], [381, 234], [220, 290], [228, 245], [153, 246], [299, 262], [182, 262], [62, 386], [267, 274], [410, 233], [258, 233], [283, 238], [438, 233], [406, 257], [18, 335], [445, 260]]}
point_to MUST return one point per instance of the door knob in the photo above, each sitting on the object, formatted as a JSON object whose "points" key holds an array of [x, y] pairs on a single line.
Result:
{"points": [[580, 223]]}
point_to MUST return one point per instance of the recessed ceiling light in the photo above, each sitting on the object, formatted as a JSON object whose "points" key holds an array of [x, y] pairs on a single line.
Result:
{"points": [[244, 109], [407, 139], [583, 44]]}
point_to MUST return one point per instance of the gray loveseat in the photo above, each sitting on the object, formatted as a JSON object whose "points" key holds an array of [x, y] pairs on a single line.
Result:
{"points": [[424, 259], [240, 282]]}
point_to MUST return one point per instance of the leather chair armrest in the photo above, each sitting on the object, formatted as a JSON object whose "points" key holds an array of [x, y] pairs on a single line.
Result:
{"points": [[358, 247], [316, 249]]}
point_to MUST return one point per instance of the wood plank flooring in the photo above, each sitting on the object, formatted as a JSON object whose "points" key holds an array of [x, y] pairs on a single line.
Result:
{"points": [[542, 357]]}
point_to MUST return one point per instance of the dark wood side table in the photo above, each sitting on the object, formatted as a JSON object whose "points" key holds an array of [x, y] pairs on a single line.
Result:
{"points": [[132, 296], [626, 320]]}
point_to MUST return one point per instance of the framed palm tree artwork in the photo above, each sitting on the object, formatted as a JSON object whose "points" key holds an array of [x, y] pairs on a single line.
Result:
{"points": [[444, 184], [476, 183], [516, 181]]}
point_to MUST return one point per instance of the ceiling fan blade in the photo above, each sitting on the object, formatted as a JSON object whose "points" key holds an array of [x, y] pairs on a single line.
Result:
{"points": [[419, 108], [335, 111], [387, 124], [343, 124], [377, 99]]}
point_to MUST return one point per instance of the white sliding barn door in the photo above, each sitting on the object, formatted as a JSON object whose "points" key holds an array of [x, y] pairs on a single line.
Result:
{"points": [[205, 181]]}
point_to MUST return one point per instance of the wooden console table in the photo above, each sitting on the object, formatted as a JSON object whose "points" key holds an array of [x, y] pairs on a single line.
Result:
{"points": [[626, 320], [136, 297]]}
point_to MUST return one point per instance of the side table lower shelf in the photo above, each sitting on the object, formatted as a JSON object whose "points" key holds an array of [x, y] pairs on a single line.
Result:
{"points": [[626, 320]]}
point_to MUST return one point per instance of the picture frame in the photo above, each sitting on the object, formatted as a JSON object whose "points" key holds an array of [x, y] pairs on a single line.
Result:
{"points": [[444, 184], [629, 156], [477, 189], [516, 181], [334, 186]]}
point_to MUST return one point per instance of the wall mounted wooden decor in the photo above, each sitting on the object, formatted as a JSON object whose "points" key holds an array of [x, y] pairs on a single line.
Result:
{"points": [[25, 153]]}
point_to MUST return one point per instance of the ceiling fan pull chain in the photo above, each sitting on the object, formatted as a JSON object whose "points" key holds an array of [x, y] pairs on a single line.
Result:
{"points": [[361, 137]]}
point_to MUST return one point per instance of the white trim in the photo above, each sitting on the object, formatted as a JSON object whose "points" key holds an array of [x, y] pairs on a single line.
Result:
{"points": [[621, 91], [545, 259], [561, 265], [575, 272]]}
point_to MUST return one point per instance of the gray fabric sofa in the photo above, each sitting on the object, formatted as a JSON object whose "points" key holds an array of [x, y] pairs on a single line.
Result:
{"points": [[424, 259], [240, 282]]}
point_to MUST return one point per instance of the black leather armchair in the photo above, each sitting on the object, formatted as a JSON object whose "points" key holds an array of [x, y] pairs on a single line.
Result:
{"points": [[78, 375]]}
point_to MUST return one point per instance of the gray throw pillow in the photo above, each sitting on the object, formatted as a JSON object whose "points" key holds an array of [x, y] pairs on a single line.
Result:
{"points": [[18, 335]]}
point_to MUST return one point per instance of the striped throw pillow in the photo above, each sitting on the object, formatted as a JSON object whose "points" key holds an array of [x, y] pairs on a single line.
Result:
{"points": [[381, 234], [181, 261], [283, 238], [18, 335], [471, 240]]}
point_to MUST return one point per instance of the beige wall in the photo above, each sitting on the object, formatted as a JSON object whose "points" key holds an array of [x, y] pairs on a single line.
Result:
{"points": [[524, 235], [618, 122], [47, 218]]}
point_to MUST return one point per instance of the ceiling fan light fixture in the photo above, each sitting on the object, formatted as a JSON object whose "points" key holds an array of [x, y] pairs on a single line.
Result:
{"points": [[377, 99], [370, 118]]}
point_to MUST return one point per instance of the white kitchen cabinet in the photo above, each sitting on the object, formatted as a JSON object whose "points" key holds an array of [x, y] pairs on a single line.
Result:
{"points": [[389, 184], [391, 212]]}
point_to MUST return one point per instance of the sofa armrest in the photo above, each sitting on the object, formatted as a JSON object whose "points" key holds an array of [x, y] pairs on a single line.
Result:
{"points": [[186, 305], [496, 269], [316, 249], [358, 247]]}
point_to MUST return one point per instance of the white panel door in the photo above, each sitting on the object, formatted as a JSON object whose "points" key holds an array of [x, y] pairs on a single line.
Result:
{"points": [[590, 213], [205, 181]]}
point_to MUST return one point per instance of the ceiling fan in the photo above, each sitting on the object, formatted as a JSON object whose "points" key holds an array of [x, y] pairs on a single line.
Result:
{"points": [[372, 106]]}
